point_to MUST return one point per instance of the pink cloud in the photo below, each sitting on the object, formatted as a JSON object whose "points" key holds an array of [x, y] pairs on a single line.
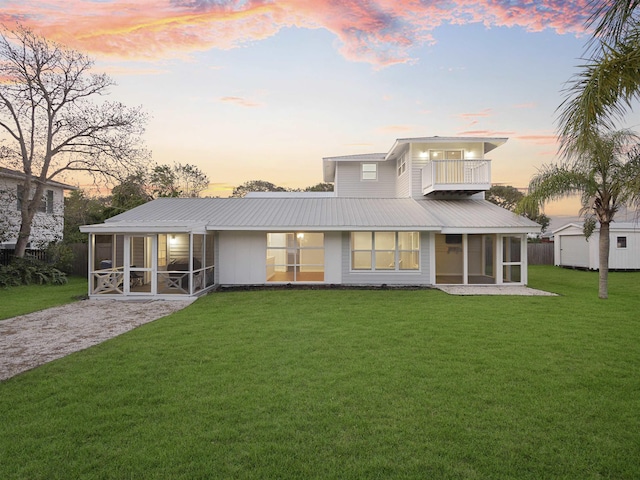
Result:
{"points": [[538, 139], [469, 116], [240, 101], [381, 32]]}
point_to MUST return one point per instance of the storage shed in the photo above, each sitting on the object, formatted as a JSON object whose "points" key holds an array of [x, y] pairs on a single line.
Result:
{"points": [[572, 249]]}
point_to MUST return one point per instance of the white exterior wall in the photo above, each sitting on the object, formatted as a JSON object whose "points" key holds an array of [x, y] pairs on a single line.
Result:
{"points": [[349, 183], [46, 227], [242, 258], [571, 249]]}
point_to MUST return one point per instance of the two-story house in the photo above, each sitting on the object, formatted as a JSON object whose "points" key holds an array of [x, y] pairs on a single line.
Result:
{"points": [[415, 215], [48, 222]]}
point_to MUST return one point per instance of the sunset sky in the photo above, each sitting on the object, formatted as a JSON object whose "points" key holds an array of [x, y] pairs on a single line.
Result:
{"points": [[260, 89]]}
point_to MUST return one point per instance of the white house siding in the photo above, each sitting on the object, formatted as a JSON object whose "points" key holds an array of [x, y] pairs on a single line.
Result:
{"points": [[242, 258], [573, 250], [46, 227], [333, 257], [351, 185], [625, 258], [420, 277]]}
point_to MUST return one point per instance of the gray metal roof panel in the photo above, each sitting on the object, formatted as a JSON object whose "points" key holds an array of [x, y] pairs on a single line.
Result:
{"points": [[276, 213], [475, 214]]}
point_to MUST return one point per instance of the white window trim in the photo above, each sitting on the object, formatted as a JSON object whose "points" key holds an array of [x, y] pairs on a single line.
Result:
{"points": [[373, 250], [374, 171], [626, 242]]}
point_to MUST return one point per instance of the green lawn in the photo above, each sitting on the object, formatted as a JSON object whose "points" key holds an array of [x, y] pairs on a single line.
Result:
{"points": [[31, 298], [346, 384]]}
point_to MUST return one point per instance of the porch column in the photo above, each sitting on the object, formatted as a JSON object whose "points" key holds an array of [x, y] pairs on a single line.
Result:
{"points": [[465, 259]]}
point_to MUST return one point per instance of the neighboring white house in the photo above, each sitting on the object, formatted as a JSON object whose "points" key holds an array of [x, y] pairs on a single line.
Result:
{"points": [[415, 215], [48, 223], [572, 249]]}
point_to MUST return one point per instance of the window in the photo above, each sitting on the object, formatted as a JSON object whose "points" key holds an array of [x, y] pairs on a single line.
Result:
{"points": [[295, 257], [401, 164], [621, 242], [369, 171], [381, 251], [445, 155], [46, 204]]}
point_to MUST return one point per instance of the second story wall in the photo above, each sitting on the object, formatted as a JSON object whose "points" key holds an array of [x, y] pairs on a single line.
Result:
{"points": [[349, 181], [47, 224]]}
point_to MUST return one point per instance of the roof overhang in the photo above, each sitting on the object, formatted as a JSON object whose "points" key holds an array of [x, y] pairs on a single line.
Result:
{"points": [[142, 228], [490, 143]]}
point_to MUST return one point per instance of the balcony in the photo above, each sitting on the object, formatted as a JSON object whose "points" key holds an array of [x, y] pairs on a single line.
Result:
{"points": [[456, 176]]}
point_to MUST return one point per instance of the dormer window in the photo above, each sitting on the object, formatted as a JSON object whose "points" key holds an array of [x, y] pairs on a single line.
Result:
{"points": [[369, 171]]}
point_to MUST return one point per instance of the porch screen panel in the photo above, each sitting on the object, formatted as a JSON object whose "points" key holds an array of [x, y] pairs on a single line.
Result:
{"points": [[511, 259]]}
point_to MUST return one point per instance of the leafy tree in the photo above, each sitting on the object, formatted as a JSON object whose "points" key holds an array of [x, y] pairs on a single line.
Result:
{"points": [[320, 187], [608, 177], [256, 186], [130, 193], [80, 209], [178, 181], [49, 124], [509, 197], [608, 82]]}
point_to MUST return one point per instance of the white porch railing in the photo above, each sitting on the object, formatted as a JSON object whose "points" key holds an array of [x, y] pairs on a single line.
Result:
{"points": [[456, 175]]}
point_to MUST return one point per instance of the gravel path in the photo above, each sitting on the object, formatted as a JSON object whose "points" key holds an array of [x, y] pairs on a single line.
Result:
{"points": [[31, 340]]}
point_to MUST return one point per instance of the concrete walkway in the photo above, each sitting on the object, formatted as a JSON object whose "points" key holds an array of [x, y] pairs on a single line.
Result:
{"points": [[494, 290]]}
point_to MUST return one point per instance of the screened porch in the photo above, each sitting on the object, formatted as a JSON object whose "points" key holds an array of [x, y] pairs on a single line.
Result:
{"points": [[171, 263]]}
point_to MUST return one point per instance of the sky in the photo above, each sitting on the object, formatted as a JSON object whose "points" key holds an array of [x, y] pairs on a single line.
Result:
{"points": [[264, 89]]}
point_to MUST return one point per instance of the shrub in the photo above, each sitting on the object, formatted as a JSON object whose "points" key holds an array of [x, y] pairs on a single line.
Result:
{"points": [[28, 270], [60, 256]]}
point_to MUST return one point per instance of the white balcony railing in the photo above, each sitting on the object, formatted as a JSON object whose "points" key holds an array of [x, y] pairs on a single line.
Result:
{"points": [[456, 175]]}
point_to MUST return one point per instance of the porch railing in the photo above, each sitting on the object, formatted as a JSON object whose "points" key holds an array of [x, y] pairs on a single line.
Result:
{"points": [[458, 175]]}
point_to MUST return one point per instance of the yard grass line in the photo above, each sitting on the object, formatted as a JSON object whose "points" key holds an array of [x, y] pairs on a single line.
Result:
{"points": [[346, 384], [32, 298]]}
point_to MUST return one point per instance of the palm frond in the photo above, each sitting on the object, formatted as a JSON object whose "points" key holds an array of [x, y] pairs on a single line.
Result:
{"points": [[611, 19], [600, 94]]}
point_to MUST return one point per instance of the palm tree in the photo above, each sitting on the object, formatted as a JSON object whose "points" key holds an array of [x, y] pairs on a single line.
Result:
{"points": [[606, 174], [609, 81]]}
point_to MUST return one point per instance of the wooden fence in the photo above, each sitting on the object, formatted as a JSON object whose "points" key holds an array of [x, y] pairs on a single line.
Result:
{"points": [[79, 264], [540, 253]]}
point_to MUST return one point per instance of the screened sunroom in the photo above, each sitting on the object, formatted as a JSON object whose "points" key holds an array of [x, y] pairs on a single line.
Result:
{"points": [[147, 264]]}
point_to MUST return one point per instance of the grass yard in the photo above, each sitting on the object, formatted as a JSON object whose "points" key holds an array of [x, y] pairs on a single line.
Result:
{"points": [[31, 298], [346, 384]]}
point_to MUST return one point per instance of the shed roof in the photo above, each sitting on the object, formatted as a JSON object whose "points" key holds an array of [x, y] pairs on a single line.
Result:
{"points": [[319, 214]]}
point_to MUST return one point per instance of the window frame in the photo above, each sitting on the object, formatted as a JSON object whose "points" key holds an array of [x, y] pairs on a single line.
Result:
{"points": [[293, 248], [621, 242], [366, 173], [401, 165], [376, 253]]}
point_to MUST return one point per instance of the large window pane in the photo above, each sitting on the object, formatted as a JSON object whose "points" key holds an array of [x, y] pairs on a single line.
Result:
{"points": [[361, 241], [295, 257], [385, 240], [409, 260], [361, 260], [385, 260]]}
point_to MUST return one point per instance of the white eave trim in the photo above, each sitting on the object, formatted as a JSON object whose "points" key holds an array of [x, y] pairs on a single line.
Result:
{"points": [[115, 227], [483, 230]]}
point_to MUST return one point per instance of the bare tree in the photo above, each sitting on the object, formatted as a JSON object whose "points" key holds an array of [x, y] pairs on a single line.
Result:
{"points": [[179, 180], [50, 125]]}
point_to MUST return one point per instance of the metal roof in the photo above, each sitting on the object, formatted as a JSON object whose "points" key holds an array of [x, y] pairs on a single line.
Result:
{"points": [[321, 214], [467, 216]]}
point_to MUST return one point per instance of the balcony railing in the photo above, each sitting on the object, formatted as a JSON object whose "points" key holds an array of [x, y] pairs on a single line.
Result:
{"points": [[467, 176]]}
